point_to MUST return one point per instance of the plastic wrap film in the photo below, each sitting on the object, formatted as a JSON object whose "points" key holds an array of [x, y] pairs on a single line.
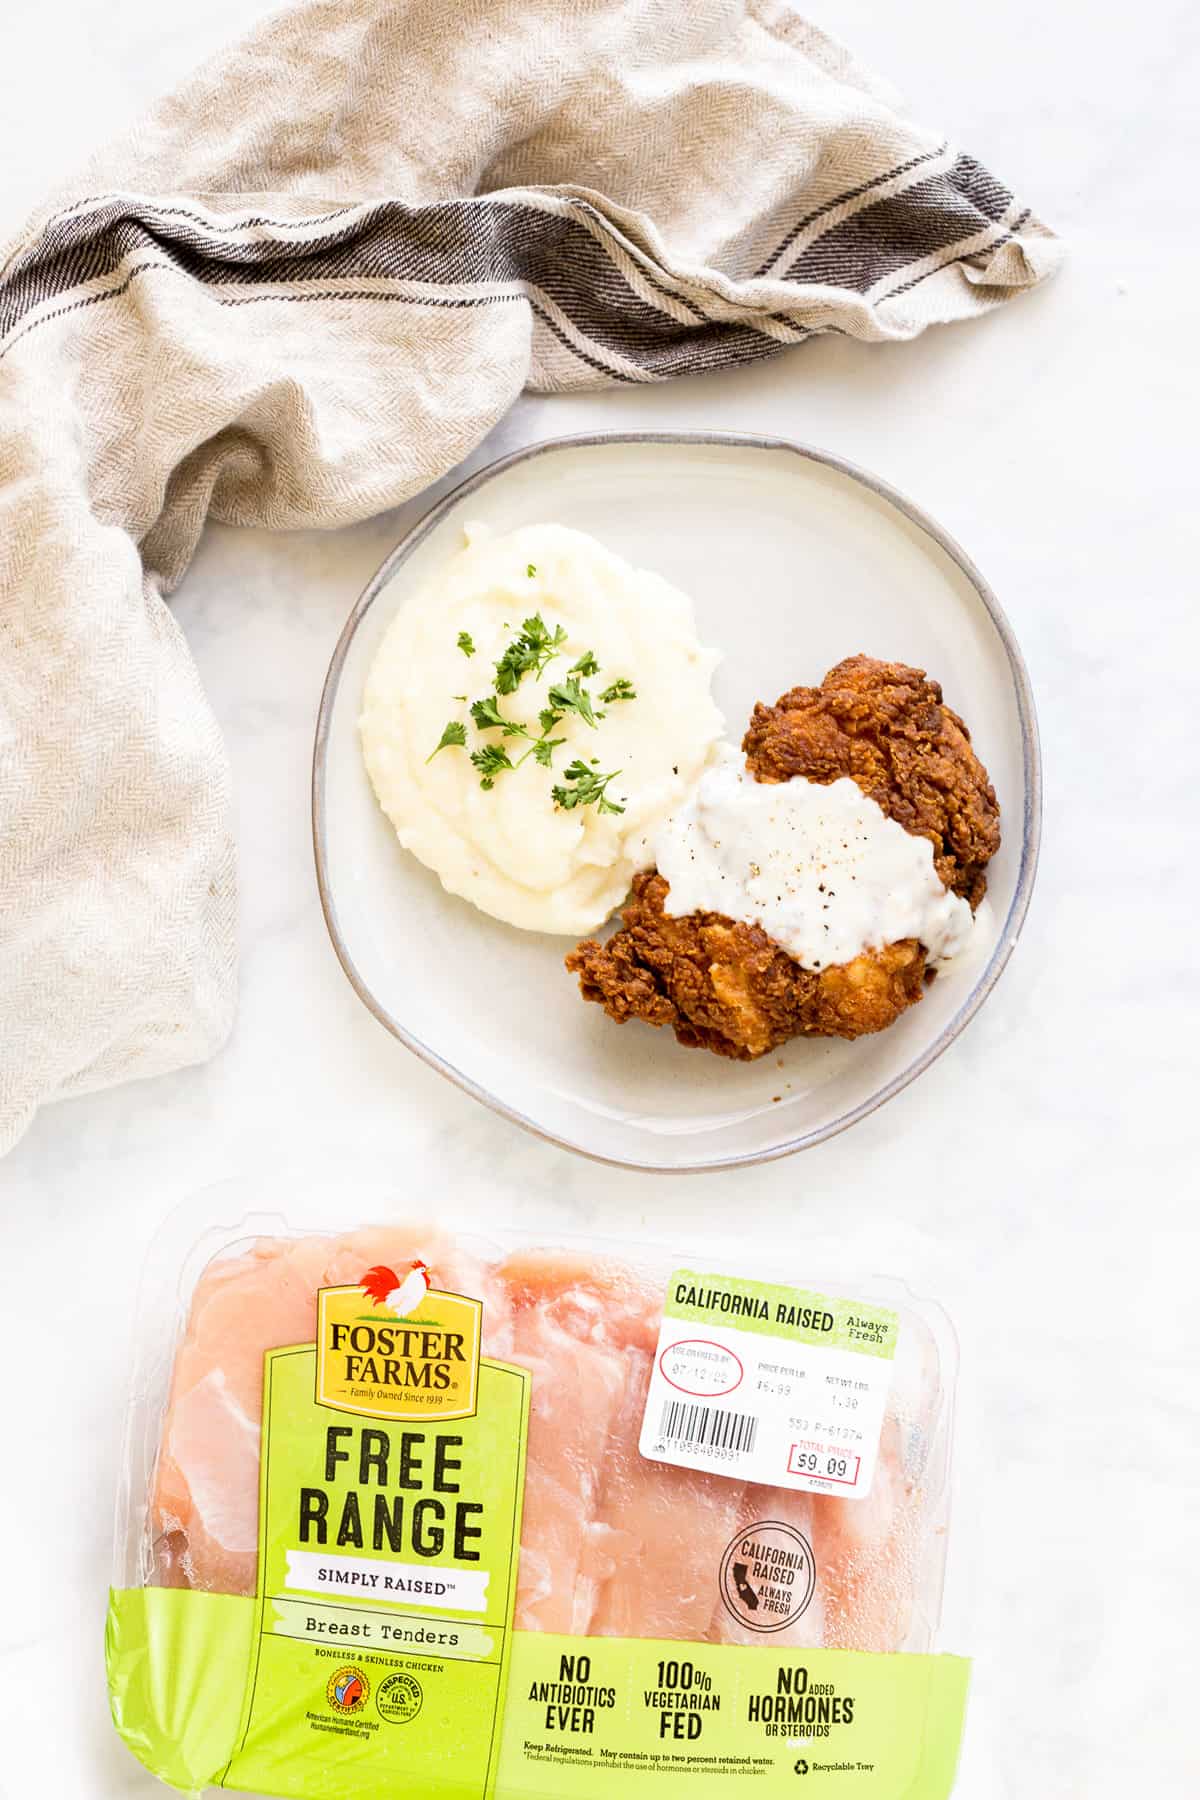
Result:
{"points": [[389, 1516]]}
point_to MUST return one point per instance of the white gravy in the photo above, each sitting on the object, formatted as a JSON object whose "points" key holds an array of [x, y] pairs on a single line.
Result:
{"points": [[823, 870]]}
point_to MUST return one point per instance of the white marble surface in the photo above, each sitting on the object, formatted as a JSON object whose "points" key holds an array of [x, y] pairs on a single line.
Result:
{"points": [[1037, 1179]]}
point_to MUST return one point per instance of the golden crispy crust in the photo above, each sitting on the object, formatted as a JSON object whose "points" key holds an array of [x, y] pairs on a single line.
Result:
{"points": [[886, 727], [728, 987]]}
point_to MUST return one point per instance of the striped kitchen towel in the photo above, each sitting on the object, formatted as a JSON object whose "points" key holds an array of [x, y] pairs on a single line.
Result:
{"points": [[303, 289]]}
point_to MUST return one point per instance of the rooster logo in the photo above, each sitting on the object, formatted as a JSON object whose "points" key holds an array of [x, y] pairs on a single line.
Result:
{"points": [[401, 1294]]}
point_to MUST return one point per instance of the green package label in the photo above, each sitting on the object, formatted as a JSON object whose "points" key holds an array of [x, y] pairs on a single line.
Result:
{"points": [[177, 1664], [693, 1721], [782, 1312], [387, 1577], [667, 1719]]}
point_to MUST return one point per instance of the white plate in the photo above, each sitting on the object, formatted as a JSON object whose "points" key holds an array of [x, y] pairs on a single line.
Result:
{"points": [[794, 560]]}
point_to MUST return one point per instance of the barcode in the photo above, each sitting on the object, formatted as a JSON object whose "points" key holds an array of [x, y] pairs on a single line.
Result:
{"points": [[708, 1427]]}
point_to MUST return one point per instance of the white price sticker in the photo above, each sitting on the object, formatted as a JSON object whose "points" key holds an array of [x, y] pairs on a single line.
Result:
{"points": [[770, 1385]]}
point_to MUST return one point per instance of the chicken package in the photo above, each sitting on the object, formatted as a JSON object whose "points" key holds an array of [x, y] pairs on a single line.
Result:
{"points": [[407, 1511]]}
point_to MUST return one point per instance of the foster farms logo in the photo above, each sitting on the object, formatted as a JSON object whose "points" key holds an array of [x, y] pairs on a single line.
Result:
{"points": [[395, 1347]]}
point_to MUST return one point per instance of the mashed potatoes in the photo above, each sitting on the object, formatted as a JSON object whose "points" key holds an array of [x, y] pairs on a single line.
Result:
{"points": [[512, 848]]}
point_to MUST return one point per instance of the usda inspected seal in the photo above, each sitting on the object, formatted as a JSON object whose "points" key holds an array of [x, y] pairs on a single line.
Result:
{"points": [[399, 1699]]}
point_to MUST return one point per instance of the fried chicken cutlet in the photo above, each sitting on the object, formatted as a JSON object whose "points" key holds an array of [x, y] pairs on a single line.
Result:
{"points": [[726, 986], [886, 727]]}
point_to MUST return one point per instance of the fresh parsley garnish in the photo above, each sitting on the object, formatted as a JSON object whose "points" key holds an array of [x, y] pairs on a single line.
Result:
{"points": [[488, 717], [569, 696], [455, 733], [490, 761], [531, 570], [583, 786], [530, 653], [534, 647]]}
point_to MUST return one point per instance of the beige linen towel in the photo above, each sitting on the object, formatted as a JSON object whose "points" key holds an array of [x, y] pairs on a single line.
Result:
{"points": [[302, 290]]}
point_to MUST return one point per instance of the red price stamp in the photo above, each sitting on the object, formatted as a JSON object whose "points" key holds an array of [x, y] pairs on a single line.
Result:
{"points": [[826, 1463]]}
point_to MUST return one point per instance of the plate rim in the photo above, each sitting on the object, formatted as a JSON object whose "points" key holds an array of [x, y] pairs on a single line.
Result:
{"points": [[1031, 757]]}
